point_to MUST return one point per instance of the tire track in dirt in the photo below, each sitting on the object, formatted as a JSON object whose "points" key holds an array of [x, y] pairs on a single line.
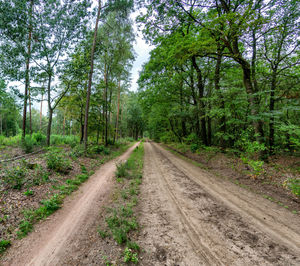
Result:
{"points": [[52, 239], [219, 231], [269, 217]]}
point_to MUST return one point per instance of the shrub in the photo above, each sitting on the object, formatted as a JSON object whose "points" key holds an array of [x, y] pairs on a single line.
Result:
{"points": [[106, 151], [294, 186], [14, 177], [194, 147], [56, 161], [130, 256], [28, 143], [24, 228], [39, 138], [122, 170], [4, 244], [77, 151]]}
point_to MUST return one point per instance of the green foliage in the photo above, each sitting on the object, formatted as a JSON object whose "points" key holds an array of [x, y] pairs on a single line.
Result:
{"points": [[130, 256], [39, 138], [4, 244], [122, 170], [294, 186], [10, 141], [25, 227], [102, 233], [61, 140], [28, 192], [57, 161], [28, 144], [77, 151], [15, 177], [194, 147]]}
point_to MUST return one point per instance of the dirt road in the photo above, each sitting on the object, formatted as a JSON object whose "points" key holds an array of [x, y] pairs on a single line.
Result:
{"points": [[190, 217], [51, 242], [187, 217]]}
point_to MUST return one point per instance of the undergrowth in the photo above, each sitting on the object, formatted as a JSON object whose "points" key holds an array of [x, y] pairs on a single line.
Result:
{"points": [[121, 220]]}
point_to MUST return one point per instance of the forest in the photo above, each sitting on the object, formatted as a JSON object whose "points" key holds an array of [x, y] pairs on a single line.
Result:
{"points": [[222, 73], [212, 129]]}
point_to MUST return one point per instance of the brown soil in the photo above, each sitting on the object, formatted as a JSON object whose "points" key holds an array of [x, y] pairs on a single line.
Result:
{"points": [[269, 185], [190, 217], [187, 216], [55, 239]]}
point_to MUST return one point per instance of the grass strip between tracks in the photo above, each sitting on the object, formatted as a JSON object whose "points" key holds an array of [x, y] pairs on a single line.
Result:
{"points": [[120, 220]]}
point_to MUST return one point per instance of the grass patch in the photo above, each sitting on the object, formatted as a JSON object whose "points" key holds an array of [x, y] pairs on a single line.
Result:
{"points": [[121, 220], [4, 244]]}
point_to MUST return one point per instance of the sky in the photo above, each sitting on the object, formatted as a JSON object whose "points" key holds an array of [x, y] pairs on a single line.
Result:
{"points": [[142, 50]]}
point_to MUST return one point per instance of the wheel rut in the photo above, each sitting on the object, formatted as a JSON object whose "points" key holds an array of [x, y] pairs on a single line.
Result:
{"points": [[218, 233]]}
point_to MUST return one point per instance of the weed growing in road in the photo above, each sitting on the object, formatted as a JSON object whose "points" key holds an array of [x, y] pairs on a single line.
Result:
{"points": [[121, 220], [4, 244], [102, 233], [122, 170], [130, 256]]}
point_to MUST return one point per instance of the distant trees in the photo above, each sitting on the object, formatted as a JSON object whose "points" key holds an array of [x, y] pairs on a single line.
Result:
{"points": [[48, 47]]}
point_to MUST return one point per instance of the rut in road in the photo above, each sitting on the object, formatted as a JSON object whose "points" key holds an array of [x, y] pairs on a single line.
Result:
{"points": [[211, 224], [50, 243]]}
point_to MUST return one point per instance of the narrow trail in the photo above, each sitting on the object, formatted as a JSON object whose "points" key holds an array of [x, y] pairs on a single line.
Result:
{"points": [[190, 217], [51, 239]]}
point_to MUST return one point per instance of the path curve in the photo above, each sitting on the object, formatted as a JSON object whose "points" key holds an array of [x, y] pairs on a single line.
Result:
{"points": [[49, 242]]}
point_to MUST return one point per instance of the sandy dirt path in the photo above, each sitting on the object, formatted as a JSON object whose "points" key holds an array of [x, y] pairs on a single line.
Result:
{"points": [[190, 217], [49, 243]]}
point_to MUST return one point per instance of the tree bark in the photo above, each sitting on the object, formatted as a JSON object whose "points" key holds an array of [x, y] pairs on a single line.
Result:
{"points": [[271, 109], [200, 86], [30, 117], [90, 79], [41, 112], [50, 110], [27, 71], [118, 110]]}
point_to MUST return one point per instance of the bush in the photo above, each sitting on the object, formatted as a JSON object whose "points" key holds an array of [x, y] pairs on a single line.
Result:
{"points": [[56, 161], [28, 143], [106, 151], [39, 138], [77, 151], [4, 244], [294, 186], [14, 177], [194, 147], [97, 149], [122, 170]]}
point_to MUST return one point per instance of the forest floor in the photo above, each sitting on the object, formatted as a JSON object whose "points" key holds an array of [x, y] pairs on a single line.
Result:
{"points": [[187, 215]]}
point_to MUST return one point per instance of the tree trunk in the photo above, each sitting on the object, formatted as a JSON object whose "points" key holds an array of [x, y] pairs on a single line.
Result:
{"points": [[271, 109], [30, 119], [41, 112], [200, 86], [118, 110], [88, 95], [64, 123], [27, 71], [50, 110], [218, 90]]}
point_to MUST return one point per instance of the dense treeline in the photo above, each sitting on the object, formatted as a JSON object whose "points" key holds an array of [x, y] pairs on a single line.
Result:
{"points": [[223, 73], [50, 49]]}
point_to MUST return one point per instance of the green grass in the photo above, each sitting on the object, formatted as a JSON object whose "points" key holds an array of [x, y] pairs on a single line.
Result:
{"points": [[49, 206], [121, 220], [4, 244]]}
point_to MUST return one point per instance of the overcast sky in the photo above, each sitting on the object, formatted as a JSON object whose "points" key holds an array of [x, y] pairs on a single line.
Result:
{"points": [[142, 50]]}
